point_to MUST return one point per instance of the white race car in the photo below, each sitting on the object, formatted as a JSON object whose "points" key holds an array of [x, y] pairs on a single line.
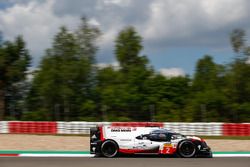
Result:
{"points": [[109, 141]]}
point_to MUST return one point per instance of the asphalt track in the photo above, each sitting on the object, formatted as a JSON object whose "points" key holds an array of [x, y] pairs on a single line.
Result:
{"points": [[123, 162]]}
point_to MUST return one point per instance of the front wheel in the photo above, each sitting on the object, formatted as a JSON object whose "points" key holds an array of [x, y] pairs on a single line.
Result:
{"points": [[109, 148], [186, 149]]}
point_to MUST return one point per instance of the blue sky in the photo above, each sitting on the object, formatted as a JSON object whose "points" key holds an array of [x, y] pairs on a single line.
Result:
{"points": [[176, 32]]}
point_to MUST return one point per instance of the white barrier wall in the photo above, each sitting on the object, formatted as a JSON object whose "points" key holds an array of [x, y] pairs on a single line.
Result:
{"points": [[4, 127], [201, 129], [81, 127], [77, 127]]}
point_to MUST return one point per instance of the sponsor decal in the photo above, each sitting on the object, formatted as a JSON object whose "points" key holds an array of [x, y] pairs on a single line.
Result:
{"points": [[94, 137], [125, 140], [167, 145], [122, 129], [168, 148]]}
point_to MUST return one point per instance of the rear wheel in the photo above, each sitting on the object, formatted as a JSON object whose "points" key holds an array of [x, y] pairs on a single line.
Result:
{"points": [[109, 148], [186, 149]]}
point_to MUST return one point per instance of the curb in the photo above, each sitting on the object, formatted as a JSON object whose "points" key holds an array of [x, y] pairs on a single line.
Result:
{"points": [[11, 153], [231, 155], [55, 155]]}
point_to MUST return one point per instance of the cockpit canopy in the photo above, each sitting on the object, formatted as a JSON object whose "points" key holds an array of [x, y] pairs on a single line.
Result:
{"points": [[161, 131], [160, 135]]}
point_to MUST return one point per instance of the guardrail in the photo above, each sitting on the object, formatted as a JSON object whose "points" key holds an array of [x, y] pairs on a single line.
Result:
{"points": [[234, 129], [4, 128], [197, 128], [33, 127], [201, 129]]}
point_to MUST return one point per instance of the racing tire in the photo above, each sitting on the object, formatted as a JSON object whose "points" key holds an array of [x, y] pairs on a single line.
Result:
{"points": [[186, 149], [109, 148]]}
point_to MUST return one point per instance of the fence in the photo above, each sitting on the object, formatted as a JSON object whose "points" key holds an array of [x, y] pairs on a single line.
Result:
{"points": [[198, 128]]}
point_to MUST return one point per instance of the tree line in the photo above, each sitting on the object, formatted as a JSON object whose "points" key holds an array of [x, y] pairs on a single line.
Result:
{"points": [[69, 86]]}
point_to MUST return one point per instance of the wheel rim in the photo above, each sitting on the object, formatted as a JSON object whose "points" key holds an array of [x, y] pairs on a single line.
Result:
{"points": [[109, 149], [187, 149]]}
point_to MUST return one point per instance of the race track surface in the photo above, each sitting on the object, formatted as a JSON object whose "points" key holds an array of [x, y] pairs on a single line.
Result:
{"points": [[122, 162]]}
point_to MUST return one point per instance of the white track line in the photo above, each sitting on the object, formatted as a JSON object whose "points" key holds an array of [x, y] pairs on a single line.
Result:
{"points": [[231, 155], [56, 155], [92, 155]]}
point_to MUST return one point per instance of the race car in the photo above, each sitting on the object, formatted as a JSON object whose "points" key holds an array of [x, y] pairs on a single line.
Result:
{"points": [[111, 141]]}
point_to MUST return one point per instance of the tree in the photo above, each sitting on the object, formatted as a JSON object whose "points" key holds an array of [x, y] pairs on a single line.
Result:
{"points": [[238, 91], [208, 85], [238, 42], [168, 96], [14, 61], [127, 49], [207, 74], [135, 71], [111, 94], [238, 79], [61, 86], [237, 38], [86, 36]]}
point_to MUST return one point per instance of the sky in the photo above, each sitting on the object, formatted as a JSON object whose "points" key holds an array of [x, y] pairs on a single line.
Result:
{"points": [[176, 33]]}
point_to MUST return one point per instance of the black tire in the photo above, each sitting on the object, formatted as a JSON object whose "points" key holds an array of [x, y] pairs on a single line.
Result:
{"points": [[109, 148], [186, 149]]}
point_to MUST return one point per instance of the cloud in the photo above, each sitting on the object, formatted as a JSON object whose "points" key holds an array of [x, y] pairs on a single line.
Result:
{"points": [[118, 2], [189, 22], [248, 60], [162, 23], [31, 73], [36, 22], [172, 72], [114, 65]]}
